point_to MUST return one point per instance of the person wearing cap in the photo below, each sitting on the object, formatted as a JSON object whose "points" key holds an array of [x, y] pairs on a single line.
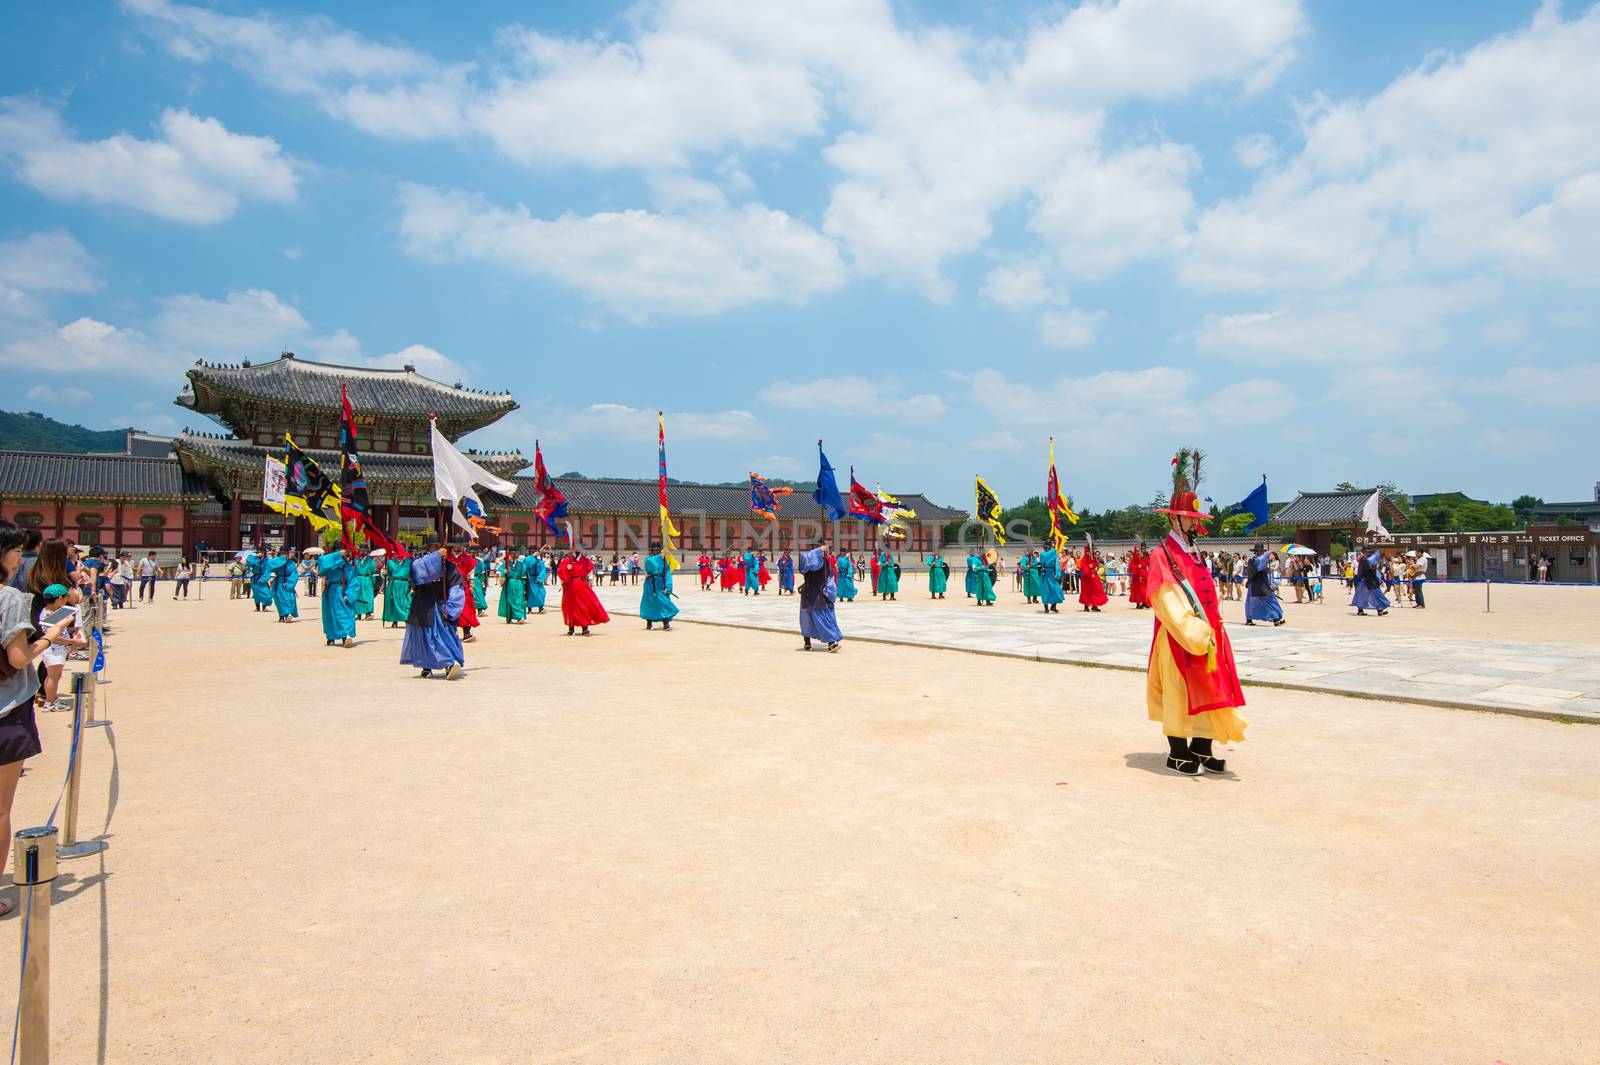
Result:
{"points": [[580, 607], [1049, 568], [818, 593], [1369, 582], [1091, 586], [438, 596], [1260, 597], [655, 600], [338, 616], [282, 576], [1192, 690]]}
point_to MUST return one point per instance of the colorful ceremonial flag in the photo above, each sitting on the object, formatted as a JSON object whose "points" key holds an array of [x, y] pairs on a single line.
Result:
{"points": [[1254, 504], [308, 493], [764, 500], [989, 511], [1056, 503], [895, 515], [354, 506], [667, 530], [827, 493], [453, 478], [552, 504], [275, 485], [864, 504]]}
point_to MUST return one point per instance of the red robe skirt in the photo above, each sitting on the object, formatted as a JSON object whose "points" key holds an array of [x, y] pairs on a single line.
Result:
{"points": [[465, 564], [1138, 580], [1091, 589], [579, 605]]}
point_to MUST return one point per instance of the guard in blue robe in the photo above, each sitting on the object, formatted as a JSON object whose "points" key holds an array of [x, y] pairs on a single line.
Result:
{"points": [[1369, 584], [655, 602], [752, 574], [1050, 592], [818, 591], [338, 616], [537, 573], [260, 590], [845, 586], [282, 576], [437, 597], [972, 575], [786, 574], [1260, 597]]}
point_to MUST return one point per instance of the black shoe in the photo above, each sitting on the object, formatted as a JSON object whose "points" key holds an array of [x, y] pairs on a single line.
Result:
{"points": [[427, 673], [666, 626], [1213, 765], [570, 630], [1280, 621], [1187, 767], [1250, 623], [1381, 613], [649, 625], [807, 645]]}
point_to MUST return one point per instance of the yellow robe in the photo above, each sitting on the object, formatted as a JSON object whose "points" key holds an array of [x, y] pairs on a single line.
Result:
{"points": [[1166, 695]]}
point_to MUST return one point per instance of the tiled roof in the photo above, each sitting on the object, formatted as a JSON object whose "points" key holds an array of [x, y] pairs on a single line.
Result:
{"points": [[615, 496], [289, 379], [1332, 508], [378, 466], [34, 473]]}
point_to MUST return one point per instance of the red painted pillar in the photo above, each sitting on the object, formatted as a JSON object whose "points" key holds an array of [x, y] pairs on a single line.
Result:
{"points": [[233, 523]]}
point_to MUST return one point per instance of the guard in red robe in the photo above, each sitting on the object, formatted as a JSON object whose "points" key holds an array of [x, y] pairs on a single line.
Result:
{"points": [[1091, 589], [465, 563], [1138, 579], [580, 607], [705, 572], [762, 575], [1193, 687], [875, 567]]}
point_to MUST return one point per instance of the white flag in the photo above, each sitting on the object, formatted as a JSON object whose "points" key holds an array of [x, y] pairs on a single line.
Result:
{"points": [[453, 477], [1373, 515], [274, 484]]}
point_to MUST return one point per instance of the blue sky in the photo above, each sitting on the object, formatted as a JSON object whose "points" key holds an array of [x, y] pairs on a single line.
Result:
{"points": [[1323, 241]]}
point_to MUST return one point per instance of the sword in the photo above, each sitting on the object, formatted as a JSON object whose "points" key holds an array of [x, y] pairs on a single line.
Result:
{"points": [[1194, 605]]}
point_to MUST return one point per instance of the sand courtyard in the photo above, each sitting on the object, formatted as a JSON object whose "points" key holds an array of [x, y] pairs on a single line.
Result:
{"points": [[704, 846]]}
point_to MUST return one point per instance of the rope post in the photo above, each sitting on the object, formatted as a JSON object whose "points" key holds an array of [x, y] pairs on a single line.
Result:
{"points": [[70, 846], [83, 687], [33, 861], [1488, 587]]}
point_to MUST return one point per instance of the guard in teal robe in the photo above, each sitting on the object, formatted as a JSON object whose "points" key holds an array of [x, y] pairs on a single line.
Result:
{"points": [[260, 587], [752, 573], [1050, 592], [480, 584], [655, 602], [362, 599], [982, 580], [338, 588], [396, 591], [536, 573], [1031, 589], [972, 575], [846, 582], [282, 576], [888, 576], [938, 576], [514, 591]]}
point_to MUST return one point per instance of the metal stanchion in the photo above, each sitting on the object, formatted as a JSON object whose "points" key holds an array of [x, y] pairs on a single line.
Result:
{"points": [[33, 860], [70, 846], [83, 688]]}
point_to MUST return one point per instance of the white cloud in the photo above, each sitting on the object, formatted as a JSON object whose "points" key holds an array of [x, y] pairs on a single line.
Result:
{"points": [[249, 324], [47, 262], [617, 420], [1018, 286], [884, 397], [294, 254], [423, 359], [1367, 325], [1101, 213], [197, 172], [66, 394], [637, 263], [1255, 150], [84, 344], [1071, 329], [999, 440], [1255, 401]]}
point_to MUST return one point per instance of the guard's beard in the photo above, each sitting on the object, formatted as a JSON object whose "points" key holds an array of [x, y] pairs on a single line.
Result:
{"points": [[1188, 535]]}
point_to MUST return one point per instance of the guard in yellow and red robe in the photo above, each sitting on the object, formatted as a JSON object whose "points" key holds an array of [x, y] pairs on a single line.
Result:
{"points": [[1193, 687]]}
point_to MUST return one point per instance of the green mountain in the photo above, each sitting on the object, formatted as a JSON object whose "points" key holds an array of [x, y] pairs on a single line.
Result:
{"points": [[32, 431]]}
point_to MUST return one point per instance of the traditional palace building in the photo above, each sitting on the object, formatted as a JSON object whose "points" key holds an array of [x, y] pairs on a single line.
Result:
{"points": [[173, 495]]}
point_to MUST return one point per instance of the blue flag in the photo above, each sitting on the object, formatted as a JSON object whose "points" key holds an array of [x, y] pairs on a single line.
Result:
{"points": [[827, 493], [99, 651], [1254, 504]]}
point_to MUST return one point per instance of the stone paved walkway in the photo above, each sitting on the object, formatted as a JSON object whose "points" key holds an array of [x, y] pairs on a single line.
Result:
{"points": [[1531, 679]]}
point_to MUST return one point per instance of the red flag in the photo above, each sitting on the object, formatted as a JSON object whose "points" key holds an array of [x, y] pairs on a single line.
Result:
{"points": [[864, 504], [354, 505], [552, 504]]}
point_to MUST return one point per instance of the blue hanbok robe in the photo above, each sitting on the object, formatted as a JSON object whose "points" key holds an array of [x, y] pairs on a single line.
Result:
{"points": [[972, 577], [938, 575], [817, 595], [1050, 592], [282, 575], [786, 574], [260, 589], [338, 618], [538, 573], [752, 572], [1369, 585], [431, 640], [1260, 606], [655, 602], [846, 584]]}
